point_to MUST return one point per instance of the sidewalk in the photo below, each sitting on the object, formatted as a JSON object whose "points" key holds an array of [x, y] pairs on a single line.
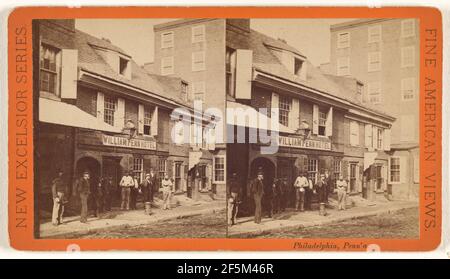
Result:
{"points": [[246, 228], [117, 219]]}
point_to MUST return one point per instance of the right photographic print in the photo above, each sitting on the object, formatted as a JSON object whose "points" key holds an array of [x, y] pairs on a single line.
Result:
{"points": [[323, 128]]}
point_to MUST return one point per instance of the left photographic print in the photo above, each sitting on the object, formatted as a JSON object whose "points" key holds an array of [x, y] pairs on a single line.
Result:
{"points": [[124, 144]]}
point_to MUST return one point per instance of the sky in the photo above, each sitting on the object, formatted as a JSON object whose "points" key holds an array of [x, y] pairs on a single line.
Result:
{"points": [[135, 36]]}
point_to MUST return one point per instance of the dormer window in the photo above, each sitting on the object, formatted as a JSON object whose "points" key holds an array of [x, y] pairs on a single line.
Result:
{"points": [[124, 67], [300, 68], [184, 90]]}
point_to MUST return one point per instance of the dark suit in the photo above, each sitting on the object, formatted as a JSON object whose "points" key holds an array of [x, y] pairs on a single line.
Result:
{"points": [[84, 189], [257, 191], [149, 188]]}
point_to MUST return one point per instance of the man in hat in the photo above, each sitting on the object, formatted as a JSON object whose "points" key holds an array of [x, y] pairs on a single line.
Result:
{"points": [[257, 191], [84, 190], [300, 184], [126, 183], [233, 199], [58, 194], [148, 186]]}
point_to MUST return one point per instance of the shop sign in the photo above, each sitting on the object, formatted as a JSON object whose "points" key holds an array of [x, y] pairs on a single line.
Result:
{"points": [[128, 143], [298, 142]]}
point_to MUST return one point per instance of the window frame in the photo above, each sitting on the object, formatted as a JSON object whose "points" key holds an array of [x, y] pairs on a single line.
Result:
{"points": [[311, 171], [339, 70], [284, 108], [340, 44], [194, 39], [109, 110], [405, 81], [138, 161], [223, 157], [396, 170], [171, 43], [370, 30], [403, 55], [148, 115], [370, 64], [413, 28], [369, 92], [322, 132], [56, 73], [194, 64]]}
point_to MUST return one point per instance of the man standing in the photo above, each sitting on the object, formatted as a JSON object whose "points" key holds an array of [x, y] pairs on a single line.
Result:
{"points": [[149, 186], [134, 192], [99, 193], [58, 194], [341, 185], [233, 199], [328, 183], [126, 183], [167, 189], [300, 184], [257, 191], [84, 189], [107, 186], [284, 194], [321, 190]]}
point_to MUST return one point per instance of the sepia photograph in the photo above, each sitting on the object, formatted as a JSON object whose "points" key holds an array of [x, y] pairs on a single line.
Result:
{"points": [[226, 128]]}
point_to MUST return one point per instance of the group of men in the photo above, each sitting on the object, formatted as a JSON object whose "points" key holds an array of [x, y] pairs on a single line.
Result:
{"points": [[279, 195], [97, 195]]}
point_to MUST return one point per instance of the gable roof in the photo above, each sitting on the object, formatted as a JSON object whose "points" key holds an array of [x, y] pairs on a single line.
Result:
{"points": [[90, 60], [266, 61]]}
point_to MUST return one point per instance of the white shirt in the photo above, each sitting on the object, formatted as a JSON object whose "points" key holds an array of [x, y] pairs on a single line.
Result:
{"points": [[127, 181], [301, 182]]}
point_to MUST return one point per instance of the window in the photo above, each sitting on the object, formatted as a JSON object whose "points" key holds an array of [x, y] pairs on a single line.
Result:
{"points": [[395, 169], [230, 69], [198, 61], [343, 40], [147, 120], [354, 133], [138, 168], [374, 34], [299, 68], [343, 66], [407, 56], [49, 69], [312, 170], [374, 92], [167, 40], [162, 168], [380, 139], [379, 177], [337, 170], [353, 170], [198, 34], [184, 90], [198, 90], [178, 176], [359, 91], [219, 169], [285, 104], [408, 28], [109, 109], [322, 122], [123, 66], [374, 61], [167, 66], [408, 91]]}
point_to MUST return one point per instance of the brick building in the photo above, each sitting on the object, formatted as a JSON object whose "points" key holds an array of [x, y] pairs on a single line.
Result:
{"points": [[383, 54], [99, 111], [322, 125]]}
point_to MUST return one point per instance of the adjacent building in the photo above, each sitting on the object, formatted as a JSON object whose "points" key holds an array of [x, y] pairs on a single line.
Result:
{"points": [[383, 54], [98, 111]]}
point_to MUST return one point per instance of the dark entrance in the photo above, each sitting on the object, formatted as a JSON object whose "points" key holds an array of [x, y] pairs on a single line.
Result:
{"points": [[112, 168]]}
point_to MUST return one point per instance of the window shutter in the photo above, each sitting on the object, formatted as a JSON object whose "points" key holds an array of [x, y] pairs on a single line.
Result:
{"points": [[183, 177], [403, 169], [367, 133], [100, 106], [141, 119], [329, 123], [294, 114], [383, 176], [154, 122], [69, 73], [315, 119], [389, 170], [387, 139], [374, 137], [119, 117], [244, 73]]}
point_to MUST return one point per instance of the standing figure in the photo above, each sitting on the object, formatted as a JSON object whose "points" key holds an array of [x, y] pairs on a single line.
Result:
{"points": [[341, 186], [84, 189], [59, 190], [274, 197], [328, 183], [107, 186], [167, 189], [284, 194], [300, 184], [309, 194], [99, 193], [321, 190], [233, 199], [126, 183], [134, 192], [257, 191]]}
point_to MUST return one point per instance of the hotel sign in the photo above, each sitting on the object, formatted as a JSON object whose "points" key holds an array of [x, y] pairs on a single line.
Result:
{"points": [[128, 143], [296, 142]]}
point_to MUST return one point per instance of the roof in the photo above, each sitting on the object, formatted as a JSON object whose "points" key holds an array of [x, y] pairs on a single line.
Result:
{"points": [[355, 22], [265, 61], [90, 60]]}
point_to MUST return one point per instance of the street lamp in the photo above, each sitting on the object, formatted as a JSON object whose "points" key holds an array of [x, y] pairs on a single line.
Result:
{"points": [[304, 129], [130, 129]]}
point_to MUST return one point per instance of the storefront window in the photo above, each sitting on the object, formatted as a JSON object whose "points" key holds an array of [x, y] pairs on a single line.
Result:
{"points": [[284, 108], [352, 177], [110, 108], [312, 170], [162, 164], [178, 176], [138, 168], [219, 169], [395, 169], [49, 69]]}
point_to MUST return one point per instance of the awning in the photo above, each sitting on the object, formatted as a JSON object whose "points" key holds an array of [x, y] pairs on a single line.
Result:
{"points": [[56, 112], [369, 159], [261, 120]]}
